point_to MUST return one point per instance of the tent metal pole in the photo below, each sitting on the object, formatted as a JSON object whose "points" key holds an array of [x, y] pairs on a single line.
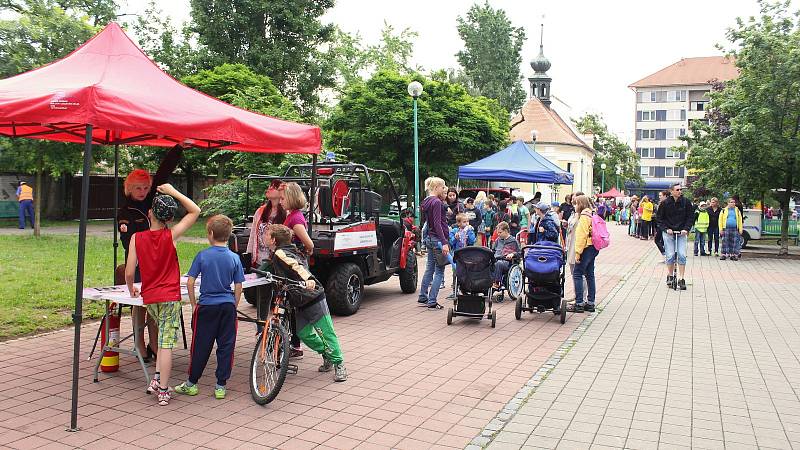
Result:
{"points": [[77, 315], [312, 193], [116, 203]]}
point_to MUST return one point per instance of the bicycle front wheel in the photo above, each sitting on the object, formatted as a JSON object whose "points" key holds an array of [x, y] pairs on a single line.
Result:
{"points": [[269, 364]]}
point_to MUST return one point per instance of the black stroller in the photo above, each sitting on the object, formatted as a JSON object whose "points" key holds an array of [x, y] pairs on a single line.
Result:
{"points": [[473, 267], [544, 280]]}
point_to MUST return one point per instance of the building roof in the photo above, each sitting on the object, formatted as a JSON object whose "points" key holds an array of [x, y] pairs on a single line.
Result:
{"points": [[691, 71], [550, 127]]}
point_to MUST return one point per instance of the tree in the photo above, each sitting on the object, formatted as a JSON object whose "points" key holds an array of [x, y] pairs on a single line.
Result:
{"points": [[175, 51], [43, 31], [609, 149], [282, 40], [491, 57], [240, 86], [353, 60], [752, 141], [373, 125]]}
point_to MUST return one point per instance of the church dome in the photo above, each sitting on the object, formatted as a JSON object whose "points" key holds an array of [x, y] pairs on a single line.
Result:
{"points": [[540, 64]]}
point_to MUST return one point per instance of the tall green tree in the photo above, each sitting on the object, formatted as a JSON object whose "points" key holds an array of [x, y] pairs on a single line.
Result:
{"points": [[37, 33], [609, 149], [373, 124], [752, 142], [175, 50], [280, 39], [354, 60], [240, 86], [491, 57]]}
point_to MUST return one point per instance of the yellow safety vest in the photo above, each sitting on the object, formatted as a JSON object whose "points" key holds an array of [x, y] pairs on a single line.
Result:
{"points": [[25, 192]]}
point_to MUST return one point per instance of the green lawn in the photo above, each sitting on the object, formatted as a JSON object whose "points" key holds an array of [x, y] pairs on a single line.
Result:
{"points": [[14, 223], [37, 292]]}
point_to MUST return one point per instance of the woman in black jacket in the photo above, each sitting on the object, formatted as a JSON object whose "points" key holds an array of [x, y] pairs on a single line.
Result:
{"points": [[132, 218], [713, 225]]}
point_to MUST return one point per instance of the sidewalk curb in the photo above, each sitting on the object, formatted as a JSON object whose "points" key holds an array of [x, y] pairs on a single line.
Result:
{"points": [[490, 431]]}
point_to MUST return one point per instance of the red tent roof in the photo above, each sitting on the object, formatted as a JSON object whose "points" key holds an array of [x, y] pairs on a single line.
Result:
{"points": [[109, 83], [611, 193]]}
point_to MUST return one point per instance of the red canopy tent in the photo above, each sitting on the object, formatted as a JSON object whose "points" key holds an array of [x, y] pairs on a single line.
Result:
{"points": [[612, 193], [107, 92]]}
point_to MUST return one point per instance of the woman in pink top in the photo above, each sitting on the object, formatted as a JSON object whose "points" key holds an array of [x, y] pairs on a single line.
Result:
{"points": [[294, 200], [272, 211]]}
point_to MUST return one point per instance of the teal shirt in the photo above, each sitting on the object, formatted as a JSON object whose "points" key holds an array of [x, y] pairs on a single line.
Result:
{"points": [[523, 217]]}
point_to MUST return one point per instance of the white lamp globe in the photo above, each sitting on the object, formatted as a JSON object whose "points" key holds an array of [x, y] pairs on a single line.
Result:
{"points": [[415, 89]]}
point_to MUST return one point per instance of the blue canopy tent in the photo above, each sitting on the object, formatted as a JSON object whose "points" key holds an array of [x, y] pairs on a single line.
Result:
{"points": [[517, 162]]}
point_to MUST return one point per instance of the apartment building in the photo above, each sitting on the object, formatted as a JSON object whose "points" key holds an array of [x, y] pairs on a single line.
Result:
{"points": [[667, 101]]}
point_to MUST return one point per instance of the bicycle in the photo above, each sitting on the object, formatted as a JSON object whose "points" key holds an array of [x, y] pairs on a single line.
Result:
{"points": [[270, 362]]}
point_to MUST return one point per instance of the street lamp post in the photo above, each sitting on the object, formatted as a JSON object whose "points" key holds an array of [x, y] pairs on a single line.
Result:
{"points": [[619, 172], [415, 90], [603, 178]]}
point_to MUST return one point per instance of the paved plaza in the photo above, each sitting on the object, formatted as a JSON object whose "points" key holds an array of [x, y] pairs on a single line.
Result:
{"points": [[714, 366], [708, 367]]}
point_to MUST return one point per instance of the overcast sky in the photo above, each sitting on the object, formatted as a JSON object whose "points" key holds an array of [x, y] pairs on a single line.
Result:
{"points": [[597, 48]]}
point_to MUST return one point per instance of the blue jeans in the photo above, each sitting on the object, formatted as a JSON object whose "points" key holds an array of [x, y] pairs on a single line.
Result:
{"points": [[669, 248], [585, 269], [432, 280], [501, 268], [699, 242], [25, 209]]}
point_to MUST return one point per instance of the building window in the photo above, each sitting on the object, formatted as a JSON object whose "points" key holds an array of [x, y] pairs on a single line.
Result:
{"points": [[676, 96], [647, 171], [673, 154], [672, 172], [647, 152], [569, 167], [648, 116], [648, 134], [676, 114], [675, 133], [698, 106]]}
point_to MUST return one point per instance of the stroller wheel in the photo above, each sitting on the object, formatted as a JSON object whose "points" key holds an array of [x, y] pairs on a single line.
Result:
{"points": [[494, 318], [449, 316], [518, 309], [563, 311]]}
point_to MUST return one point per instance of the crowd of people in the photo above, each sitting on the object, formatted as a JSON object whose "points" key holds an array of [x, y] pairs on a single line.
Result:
{"points": [[278, 243], [505, 225]]}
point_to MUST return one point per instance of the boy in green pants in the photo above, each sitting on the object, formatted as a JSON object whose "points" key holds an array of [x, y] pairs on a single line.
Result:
{"points": [[314, 323]]}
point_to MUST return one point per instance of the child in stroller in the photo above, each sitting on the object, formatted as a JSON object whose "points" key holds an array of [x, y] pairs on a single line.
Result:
{"points": [[544, 280], [473, 267], [506, 249]]}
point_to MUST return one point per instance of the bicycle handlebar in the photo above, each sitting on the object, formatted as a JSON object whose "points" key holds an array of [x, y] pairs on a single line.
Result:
{"points": [[273, 279]]}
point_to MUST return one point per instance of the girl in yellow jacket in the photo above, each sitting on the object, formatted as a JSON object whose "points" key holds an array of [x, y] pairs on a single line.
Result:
{"points": [[730, 226], [585, 254]]}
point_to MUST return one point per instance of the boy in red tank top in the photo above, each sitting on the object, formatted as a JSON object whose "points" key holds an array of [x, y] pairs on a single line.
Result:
{"points": [[154, 252]]}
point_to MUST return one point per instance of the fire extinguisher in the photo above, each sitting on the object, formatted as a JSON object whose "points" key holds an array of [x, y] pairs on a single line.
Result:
{"points": [[110, 359]]}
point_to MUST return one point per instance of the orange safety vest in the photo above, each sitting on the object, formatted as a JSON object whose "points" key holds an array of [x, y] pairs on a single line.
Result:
{"points": [[25, 192]]}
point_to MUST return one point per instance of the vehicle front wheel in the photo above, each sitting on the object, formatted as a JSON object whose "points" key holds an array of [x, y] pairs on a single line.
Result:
{"points": [[409, 276], [345, 289]]}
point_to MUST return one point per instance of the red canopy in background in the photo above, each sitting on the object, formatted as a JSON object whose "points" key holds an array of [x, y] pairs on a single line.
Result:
{"points": [[109, 83], [612, 193]]}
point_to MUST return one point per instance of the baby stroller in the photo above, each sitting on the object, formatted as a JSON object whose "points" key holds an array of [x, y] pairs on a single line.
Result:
{"points": [[473, 267], [544, 280]]}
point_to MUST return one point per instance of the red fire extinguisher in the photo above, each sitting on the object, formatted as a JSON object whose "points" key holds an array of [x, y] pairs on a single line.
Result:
{"points": [[110, 359]]}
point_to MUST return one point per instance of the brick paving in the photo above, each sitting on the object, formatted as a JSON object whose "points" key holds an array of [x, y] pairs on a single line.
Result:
{"points": [[712, 367], [414, 382]]}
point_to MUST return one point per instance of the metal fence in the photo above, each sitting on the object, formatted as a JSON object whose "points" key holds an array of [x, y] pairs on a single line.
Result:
{"points": [[773, 227]]}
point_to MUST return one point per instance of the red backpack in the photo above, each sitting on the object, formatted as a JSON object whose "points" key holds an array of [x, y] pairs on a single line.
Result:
{"points": [[600, 237]]}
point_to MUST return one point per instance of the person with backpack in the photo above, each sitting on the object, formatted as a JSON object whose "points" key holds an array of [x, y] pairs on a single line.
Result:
{"points": [[585, 254], [675, 218], [701, 222]]}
